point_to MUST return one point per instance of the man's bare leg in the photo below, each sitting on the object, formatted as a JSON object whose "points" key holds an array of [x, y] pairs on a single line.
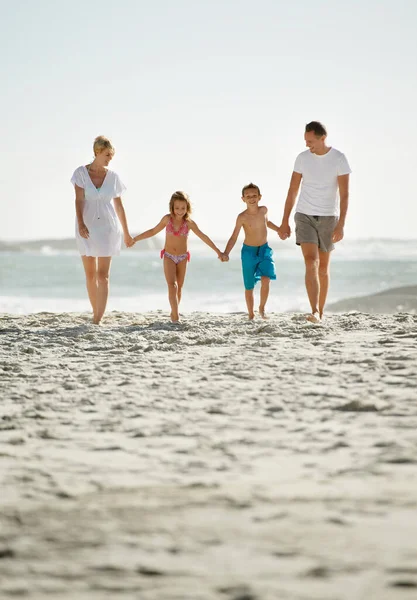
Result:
{"points": [[264, 296], [249, 303], [324, 278], [312, 282]]}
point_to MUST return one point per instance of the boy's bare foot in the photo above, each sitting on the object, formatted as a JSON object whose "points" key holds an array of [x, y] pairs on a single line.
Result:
{"points": [[251, 316], [314, 317], [263, 313]]}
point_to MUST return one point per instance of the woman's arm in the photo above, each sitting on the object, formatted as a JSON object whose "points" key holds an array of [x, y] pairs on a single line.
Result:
{"points": [[151, 232], [205, 238], [120, 211], [79, 210]]}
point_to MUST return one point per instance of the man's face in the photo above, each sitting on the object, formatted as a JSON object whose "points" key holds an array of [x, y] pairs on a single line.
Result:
{"points": [[313, 142], [251, 197]]}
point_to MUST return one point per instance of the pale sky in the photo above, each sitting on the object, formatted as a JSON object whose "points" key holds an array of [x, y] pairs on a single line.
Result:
{"points": [[205, 96]]}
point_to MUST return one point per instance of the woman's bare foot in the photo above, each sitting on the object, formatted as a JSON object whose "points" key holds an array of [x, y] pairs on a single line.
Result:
{"points": [[314, 317]]}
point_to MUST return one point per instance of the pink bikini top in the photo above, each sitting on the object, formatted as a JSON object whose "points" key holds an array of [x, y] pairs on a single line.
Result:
{"points": [[183, 230]]}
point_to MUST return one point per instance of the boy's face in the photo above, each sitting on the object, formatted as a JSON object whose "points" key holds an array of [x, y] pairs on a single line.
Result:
{"points": [[251, 197]]}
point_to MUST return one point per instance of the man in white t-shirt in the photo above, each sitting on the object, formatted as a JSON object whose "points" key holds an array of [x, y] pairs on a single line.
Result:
{"points": [[319, 217]]}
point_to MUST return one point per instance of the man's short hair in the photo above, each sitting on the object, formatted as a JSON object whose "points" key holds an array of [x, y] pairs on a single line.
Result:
{"points": [[250, 186], [317, 128]]}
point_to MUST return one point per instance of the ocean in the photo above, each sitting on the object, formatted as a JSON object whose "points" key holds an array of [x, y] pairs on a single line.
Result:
{"points": [[49, 277]]}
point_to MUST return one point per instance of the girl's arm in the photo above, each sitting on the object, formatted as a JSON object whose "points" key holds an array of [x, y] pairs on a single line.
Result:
{"points": [[205, 238], [79, 209], [234, 236], [151, 232], [120, 211]]}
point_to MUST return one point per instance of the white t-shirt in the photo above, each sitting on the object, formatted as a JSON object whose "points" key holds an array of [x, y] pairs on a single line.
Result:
{"points": [[319, 193]]}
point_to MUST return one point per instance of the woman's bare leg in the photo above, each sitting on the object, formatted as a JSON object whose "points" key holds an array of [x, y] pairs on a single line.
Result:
{"points": [[90, 268], [170, 271], [103, 271]]}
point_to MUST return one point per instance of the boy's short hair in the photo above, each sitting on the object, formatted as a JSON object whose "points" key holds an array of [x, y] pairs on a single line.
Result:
{"points": [[317, 128], [250, 186]]}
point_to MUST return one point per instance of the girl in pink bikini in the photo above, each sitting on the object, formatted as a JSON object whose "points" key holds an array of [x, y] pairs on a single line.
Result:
{"points": [[175, 254]]}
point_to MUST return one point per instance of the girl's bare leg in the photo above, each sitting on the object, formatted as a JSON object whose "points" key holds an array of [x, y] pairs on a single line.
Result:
{"points": [[264, 296], [249, 303], [90, 268], [181, 271], [170, 271], [103, 271]]}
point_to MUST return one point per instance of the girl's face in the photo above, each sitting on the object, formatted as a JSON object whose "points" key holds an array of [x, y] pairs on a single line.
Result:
{"points": [[180, 208]]}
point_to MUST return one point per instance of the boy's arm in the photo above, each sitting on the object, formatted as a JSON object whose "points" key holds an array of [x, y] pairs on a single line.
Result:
{"points": [[269, 223], [151, 232], [233, 238], [205, 238], [289, 204]]}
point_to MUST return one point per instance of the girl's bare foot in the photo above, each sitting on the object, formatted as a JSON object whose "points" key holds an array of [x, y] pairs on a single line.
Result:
{"points": [[314, 317]]}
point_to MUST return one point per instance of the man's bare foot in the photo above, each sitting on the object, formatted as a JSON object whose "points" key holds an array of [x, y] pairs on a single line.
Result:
{"points": [[175, 318], [314, 317], [251, 316], [263, 313]]}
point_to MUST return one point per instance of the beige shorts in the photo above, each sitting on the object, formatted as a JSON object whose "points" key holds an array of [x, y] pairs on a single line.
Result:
{"points": [[315, 230]]}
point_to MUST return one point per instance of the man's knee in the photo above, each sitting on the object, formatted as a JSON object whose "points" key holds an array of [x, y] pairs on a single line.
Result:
{"points": [[312, 262]]}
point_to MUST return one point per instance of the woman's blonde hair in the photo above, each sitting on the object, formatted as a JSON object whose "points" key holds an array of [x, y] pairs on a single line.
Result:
{"points": [[183, 197], [102, 143]]}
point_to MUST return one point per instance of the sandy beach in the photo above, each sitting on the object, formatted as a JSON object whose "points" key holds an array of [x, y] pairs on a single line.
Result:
{"points": [[217, 459]]}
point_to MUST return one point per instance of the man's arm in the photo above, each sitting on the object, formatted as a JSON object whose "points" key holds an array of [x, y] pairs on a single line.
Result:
{"points": [[289, 204], [234, 236], [343, 183]]}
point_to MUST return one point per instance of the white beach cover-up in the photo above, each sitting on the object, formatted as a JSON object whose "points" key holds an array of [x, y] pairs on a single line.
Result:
{"points": [[99, 215]]}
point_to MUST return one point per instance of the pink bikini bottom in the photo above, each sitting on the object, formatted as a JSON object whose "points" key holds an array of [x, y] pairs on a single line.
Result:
{"points": [[176, 258]]}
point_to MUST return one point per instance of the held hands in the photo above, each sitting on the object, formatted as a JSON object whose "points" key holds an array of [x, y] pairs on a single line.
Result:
{"points": [[284, 231], [84, 233], [129, 241], [223, 257]]}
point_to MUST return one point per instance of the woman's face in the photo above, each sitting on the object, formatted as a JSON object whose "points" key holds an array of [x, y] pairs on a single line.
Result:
{"points": [[104, 157]]}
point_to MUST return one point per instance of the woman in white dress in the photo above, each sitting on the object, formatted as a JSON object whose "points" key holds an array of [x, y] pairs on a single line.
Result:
{"points": [[99, 225]]}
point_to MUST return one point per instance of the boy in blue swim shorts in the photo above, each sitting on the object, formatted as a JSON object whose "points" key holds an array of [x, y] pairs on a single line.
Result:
{"points": [[257, 256]]}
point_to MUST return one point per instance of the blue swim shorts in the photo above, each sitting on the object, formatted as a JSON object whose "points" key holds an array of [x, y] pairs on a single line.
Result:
{"points": [[257, 262]]}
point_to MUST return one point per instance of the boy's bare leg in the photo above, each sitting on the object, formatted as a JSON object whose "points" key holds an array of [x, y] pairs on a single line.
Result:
{"points": [[249, 303], [312, 282], [324, 279], [103, 270], [170, 271], [264, 296], [181, 271], [90, 268]]}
